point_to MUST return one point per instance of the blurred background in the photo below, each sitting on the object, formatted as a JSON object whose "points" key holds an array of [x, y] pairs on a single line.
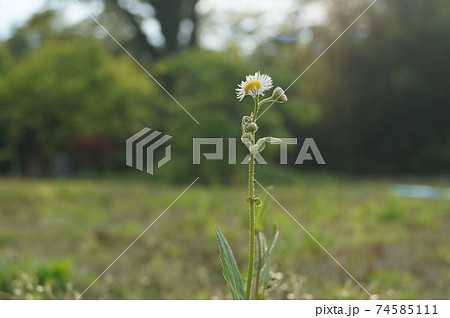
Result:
{"points": [[376, 104]]}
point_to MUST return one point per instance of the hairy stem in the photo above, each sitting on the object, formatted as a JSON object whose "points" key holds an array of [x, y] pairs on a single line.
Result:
{"points": [[252, 220]]}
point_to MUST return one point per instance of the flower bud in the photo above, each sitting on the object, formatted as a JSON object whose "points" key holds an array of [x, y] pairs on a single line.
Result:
{"points": [[278, 95], [251, 127]]}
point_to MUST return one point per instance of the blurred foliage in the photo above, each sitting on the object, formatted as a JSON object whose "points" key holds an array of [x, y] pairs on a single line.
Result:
{"points": [[64, 90], [382, 88], [28, 279]]}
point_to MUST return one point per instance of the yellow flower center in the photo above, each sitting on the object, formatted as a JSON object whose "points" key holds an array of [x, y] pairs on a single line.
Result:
{"points": [[252, 86]]}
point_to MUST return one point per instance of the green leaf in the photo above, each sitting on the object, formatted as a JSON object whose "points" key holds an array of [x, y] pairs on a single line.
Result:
{"points": [[264, 279], [271, 244], [265, 261], [268, 248], [230, 268], [262, 142], [261, 242], [256, 201], [261, 208]]}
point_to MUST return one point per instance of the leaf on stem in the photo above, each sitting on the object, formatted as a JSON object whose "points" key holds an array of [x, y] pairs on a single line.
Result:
{"points": [[262, 142], [230, 268], [256, 201]]}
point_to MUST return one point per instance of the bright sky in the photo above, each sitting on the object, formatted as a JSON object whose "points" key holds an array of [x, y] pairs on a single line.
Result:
{"points": [[14, 13]]}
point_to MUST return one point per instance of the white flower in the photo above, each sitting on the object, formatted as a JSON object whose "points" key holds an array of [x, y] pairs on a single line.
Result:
{"points": [[254, 85]]}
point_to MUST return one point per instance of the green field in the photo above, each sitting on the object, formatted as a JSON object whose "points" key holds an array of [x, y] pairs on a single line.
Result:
{"points": [[57, 236]]}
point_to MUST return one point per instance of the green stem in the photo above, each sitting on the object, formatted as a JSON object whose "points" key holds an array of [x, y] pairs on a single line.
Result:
{"points": [[257, 105], [258, 271], [252, 220]]}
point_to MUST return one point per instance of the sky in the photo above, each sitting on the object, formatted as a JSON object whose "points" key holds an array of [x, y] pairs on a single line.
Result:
{"points": [[14, 13]]}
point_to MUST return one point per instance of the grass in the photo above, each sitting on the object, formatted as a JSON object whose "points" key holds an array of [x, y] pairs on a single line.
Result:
{"points": [[57, 236]]}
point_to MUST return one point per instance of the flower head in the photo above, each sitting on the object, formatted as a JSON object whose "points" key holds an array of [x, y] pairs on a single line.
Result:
{"points": [[254, 85]]}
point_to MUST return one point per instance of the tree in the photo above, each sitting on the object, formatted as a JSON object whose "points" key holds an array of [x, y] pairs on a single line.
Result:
{"points": [[382, 88], [66, 89]]}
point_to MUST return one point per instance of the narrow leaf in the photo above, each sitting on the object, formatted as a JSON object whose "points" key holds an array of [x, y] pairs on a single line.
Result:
{"points": [[263, 243], [230, 268], [271, 244], [264, 279], [265, 262], [260, 210]]}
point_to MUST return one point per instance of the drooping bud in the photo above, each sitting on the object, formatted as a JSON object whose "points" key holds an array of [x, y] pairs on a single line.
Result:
{"points": [[251, 127], [278, 95]]}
